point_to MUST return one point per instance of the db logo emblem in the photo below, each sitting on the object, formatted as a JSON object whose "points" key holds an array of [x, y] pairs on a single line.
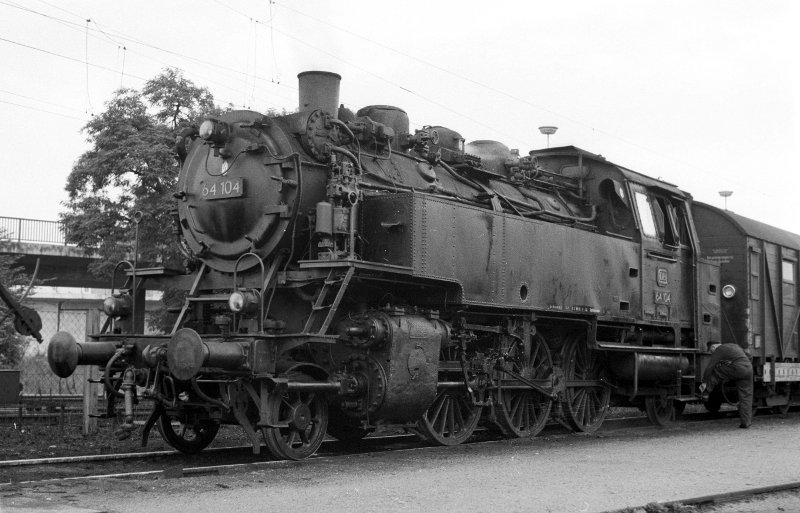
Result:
{"points": [[663, 278]]}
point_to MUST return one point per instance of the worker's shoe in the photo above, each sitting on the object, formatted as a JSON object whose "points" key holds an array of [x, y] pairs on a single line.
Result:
{"points": [[703, 392]]}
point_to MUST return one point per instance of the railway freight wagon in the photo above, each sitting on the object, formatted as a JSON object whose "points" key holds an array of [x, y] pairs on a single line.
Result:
{"points": [[760, 302], [343, 272]]}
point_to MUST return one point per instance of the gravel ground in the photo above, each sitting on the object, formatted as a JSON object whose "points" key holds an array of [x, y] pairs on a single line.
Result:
{"points": [[625, 468]]}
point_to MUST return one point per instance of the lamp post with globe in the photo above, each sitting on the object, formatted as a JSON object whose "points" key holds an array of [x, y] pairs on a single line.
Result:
{"points": [[726, 195], [548, 131]]}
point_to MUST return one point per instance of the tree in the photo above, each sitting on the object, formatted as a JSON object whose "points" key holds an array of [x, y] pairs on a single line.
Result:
{"points": [[131, 167], [12, 345], [178, 102]]}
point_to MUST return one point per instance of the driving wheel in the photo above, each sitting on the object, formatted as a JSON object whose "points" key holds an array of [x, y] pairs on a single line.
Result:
{"points": [[524, 412], [451, 419], [586, 400]]}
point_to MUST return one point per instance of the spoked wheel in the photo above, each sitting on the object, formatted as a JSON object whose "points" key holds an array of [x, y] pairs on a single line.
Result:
{"points": [[585, 404], [660, 409], [451, 419], [524, 412], [304, 417], [188, 439], [344, 428]]}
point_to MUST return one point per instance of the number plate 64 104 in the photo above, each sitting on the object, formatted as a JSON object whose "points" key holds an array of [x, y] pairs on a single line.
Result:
{"points": [[222, 188]]}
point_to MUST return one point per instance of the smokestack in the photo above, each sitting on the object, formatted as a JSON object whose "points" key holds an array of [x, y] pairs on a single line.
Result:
{"points": [[319, 90]]}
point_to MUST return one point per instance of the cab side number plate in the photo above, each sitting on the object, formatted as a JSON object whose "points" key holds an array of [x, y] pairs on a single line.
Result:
{"points": [[223, 188]]}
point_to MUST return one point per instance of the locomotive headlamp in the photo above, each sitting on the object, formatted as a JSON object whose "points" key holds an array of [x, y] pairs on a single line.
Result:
{"points": [[244, 301], [728, 291], [214, 131], [118, 305]]}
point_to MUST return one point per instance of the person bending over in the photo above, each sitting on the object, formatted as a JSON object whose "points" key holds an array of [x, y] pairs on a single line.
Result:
{"points": [[729, 362]]}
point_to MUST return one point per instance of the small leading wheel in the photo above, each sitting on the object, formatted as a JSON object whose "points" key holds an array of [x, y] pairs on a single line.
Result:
{"points": [[585, 404], [660, 409], [303, 417], [523, 413], [188, 439], [451, 419]]}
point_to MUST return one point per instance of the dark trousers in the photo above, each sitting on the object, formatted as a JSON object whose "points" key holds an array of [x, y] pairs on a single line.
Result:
{"points": [[740, 371]]}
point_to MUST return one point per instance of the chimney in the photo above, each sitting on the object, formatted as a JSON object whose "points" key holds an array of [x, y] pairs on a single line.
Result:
{"points": [[319, 90]]}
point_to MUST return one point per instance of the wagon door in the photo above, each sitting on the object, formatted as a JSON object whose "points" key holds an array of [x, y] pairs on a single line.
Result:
{"points": [[780, 319], [663, 292]]}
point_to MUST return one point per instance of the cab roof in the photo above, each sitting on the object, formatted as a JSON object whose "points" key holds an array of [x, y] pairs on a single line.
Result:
{"points": [[628, 174]]}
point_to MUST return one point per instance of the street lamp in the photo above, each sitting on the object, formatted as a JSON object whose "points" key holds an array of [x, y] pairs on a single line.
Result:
{"points": [[726, 194], [548, 131]]}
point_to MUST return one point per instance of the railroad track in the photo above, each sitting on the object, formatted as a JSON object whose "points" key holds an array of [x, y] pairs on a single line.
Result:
{"points": [[236, 462], [710, 501], [171, 464], [161, 464]]}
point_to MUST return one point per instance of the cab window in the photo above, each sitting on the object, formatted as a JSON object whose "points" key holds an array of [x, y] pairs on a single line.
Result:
{"points": [[646, 215], [665, 221], [617, 214], [683, 224]]}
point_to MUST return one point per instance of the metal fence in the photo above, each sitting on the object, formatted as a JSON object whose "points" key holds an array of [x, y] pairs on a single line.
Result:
{"points": [[19, 229], [44, 397], [36, 378]]}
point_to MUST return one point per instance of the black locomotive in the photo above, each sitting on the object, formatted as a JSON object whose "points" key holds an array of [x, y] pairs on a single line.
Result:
{"points": [[346, 272]]}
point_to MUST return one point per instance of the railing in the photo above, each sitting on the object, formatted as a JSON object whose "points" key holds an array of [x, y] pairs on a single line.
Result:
{"points": [[32, 230]]}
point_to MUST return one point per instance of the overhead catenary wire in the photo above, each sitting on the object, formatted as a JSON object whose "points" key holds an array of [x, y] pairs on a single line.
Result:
{"points": [[275, 72], [248, 61], [67, 57], [121, 49], [132, 40], [27, 97], [122, 68], [80, 61], [29, 107], [90, 110], [388, 81], [670, 157], [59, 8]]}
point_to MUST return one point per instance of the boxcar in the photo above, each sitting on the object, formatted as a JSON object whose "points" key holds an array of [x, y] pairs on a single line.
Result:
{"points": [[760, 304]]}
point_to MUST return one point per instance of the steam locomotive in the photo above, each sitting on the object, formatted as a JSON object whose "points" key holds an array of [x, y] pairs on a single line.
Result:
{"points": [[343, 272]]}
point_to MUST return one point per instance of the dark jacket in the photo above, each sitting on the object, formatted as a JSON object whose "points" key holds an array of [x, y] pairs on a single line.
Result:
{"points": [[725, 353]]}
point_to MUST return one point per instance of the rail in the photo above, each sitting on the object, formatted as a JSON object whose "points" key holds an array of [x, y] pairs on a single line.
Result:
{"points": [[20, 229]]}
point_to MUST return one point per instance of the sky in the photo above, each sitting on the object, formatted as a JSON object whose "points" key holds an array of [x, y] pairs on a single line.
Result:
{"points": [[701, 94]]}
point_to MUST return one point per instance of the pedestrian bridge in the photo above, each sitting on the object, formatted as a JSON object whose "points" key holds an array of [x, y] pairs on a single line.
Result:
{"points": [[60, 264]]}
